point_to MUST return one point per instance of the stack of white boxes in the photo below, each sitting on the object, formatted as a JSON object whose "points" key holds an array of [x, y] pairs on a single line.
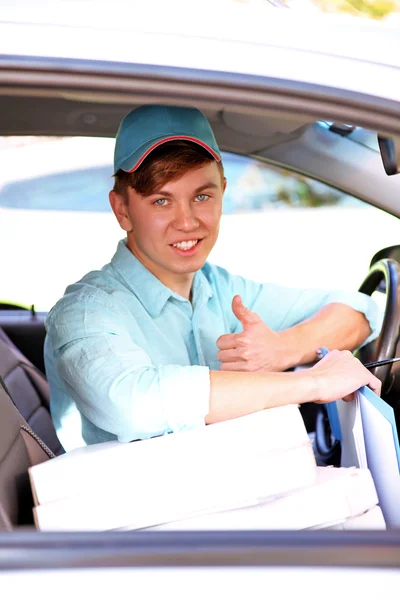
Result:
{"points": [[254, 472], [339, 499]]}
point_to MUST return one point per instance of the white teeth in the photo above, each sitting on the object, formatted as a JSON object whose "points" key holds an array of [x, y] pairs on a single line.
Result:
{"points": [[185, 245]]}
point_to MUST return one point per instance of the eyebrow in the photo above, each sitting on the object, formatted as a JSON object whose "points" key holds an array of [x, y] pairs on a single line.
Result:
{"points": [[207, 186]]}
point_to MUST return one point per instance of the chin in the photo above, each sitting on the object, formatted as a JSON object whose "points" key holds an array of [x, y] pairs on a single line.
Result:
{"points": [[191, 267]]}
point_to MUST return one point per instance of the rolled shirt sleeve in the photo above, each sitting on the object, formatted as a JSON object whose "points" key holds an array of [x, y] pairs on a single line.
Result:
{"points": [[113, 381]]}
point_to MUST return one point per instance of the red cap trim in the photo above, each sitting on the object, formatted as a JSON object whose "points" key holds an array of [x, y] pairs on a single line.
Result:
{"points": [[169, 139]]}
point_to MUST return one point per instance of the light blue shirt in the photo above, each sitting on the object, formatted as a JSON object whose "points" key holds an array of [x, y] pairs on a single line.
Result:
{"points": [[127, 358]]}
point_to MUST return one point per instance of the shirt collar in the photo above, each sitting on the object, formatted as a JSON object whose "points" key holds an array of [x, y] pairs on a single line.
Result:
{"points": [[151, 292]]}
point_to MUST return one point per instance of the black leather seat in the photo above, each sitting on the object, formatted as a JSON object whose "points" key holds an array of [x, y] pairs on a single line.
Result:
{"points": [[29, 391], [20, 448]]}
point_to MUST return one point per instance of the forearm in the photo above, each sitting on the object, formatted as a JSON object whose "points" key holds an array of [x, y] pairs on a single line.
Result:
{"points": [[336, 326], [236, 394]]}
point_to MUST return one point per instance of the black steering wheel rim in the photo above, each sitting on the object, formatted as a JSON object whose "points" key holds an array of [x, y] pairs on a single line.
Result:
{"points": [[389, 270]]}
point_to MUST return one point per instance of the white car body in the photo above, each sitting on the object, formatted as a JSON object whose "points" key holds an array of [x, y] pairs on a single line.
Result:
{"points": [[265, 78]]}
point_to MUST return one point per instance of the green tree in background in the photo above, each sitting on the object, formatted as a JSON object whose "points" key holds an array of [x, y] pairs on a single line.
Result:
{"points": [[374, 9], [305, 193]]}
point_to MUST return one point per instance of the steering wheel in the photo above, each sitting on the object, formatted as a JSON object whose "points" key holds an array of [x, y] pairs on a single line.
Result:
{"points": [[387, 270]]}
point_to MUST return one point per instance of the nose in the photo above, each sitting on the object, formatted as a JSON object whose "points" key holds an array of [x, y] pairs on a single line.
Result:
{"points": [[185, 218]]}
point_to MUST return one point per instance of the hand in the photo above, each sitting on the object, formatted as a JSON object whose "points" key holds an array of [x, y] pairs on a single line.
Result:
{"points": [[339, 374], [256, 348]]}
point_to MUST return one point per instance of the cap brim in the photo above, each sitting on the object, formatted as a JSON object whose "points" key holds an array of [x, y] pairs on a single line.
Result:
{"points": [[134, 161]]}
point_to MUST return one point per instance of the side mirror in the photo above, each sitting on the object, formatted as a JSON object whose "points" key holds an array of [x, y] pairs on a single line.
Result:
{"points": [[390, 153]]}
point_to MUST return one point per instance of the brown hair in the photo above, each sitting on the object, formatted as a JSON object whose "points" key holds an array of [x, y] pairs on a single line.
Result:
{"points": [[166, 163]]}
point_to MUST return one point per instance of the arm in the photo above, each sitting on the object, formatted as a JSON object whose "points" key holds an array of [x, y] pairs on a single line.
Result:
{"points": [[337, 375], [285, 327], [119, 390], [113, 381], [335, 326]]}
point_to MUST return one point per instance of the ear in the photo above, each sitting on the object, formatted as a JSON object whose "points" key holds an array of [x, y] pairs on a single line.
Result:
{"points": [[120, 209], [224, 186]]}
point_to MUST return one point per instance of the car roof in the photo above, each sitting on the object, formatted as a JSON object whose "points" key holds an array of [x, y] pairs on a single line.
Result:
{"points": [[353, 54]]}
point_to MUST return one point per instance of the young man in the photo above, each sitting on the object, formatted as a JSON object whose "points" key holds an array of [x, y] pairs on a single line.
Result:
{"points": [[159, 340]]}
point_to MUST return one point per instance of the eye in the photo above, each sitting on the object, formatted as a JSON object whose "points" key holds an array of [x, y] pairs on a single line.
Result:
{"points": [[202, 197], [161, 202]]}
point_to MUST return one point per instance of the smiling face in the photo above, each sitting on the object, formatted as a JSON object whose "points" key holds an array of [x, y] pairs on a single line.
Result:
{"points": [[173, 230]]}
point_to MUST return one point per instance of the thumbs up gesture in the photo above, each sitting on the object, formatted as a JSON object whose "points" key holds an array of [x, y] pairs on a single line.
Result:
{"points": [[256, 348]]}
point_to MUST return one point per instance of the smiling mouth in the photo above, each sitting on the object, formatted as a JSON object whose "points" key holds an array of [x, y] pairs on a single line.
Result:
{"points": [[185, 246]]}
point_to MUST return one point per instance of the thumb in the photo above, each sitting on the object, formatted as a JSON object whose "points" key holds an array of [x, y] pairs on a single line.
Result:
{"points": [[244, 314]]}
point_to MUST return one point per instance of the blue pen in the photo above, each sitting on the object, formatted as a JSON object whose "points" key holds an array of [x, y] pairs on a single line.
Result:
{"points": [[322, 352]]}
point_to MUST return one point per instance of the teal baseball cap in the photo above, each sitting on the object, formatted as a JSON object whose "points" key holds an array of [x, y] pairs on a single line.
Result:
{"points": [[147, 127]]}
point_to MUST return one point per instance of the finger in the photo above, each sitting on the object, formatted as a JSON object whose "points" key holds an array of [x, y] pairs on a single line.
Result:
{"points": [[229, 355], [246, 316], [227, 341], [234, 366], [376, 385]]}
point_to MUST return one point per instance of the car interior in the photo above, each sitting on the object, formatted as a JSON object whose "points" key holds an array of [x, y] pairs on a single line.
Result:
{"points": [[293, 139]]}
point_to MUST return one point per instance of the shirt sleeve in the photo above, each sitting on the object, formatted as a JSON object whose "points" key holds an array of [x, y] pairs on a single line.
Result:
{"points": [[283, 307], [113, 381]]}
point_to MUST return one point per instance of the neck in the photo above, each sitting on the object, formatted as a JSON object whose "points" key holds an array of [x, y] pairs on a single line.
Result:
{"points": [[180, 283]]}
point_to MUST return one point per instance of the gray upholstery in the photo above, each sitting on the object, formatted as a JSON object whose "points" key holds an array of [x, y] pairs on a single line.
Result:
{"points": [[29, 391], [20, 448]]}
